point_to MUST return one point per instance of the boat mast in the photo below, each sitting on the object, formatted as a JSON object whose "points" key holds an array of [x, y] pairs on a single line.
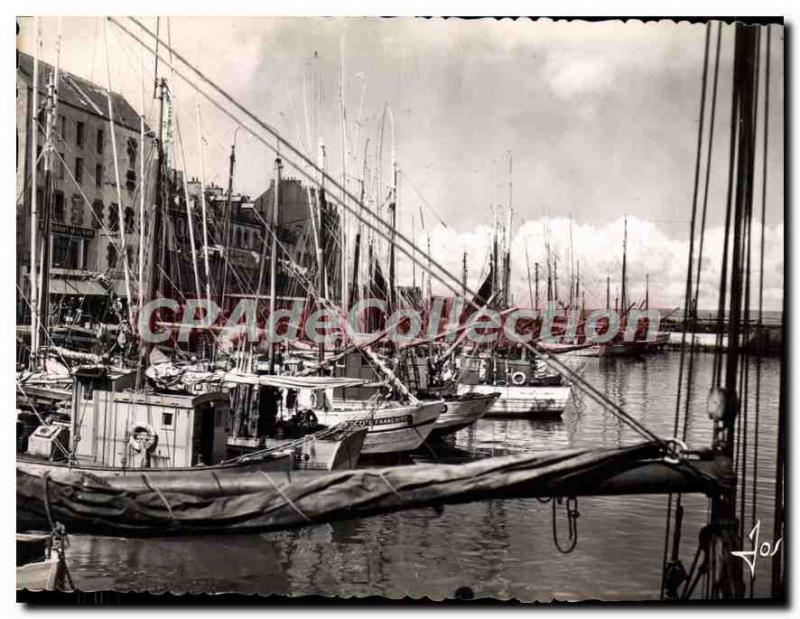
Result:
{"points": [[528, 265], [393, 208], [155, 244], [414, 251], [555, 278], [203, 210], [464, 274], [507, 265], [495, 253], [623, 299], [323, 162], [34, 120], [536, 275], [226, 227], [430, 287], [44, 285], [273, 263], [343, 211], [142, 187], [123, 254], [572, 293]]}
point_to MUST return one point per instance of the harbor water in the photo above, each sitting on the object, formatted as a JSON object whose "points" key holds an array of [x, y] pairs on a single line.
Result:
{"points": [[499, 549]]}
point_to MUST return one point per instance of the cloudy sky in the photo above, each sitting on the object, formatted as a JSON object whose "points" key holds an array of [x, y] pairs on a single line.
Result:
{"points": [[601, 120]]}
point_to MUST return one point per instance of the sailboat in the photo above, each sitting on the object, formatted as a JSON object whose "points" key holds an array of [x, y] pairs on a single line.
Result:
{"points": [[523, 390]]}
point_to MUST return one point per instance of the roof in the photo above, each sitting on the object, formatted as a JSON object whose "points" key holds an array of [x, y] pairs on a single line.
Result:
{"points": [[79, 92]]}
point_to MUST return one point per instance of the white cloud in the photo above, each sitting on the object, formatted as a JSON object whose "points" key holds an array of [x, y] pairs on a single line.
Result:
{"points": [[651, 251], [570, 77]]}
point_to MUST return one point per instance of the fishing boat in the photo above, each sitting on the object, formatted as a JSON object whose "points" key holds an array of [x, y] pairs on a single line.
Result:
{"points": [[461, 411], [522, 400], [114, 430], [522, 390], [40, 562], [392, 427]]}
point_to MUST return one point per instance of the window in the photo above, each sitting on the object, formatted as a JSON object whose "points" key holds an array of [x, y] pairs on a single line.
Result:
{"points": [[78, 170], [113, 217], [58, 207], [111, 256], [79, 132], [98, 176], [128, 220], [166, 420], [132, 147], [238, 237], [130, 181], [66, 252], [60, 166], [41, 118], [63, 120], [97, 214], [76, 217], [100, 141], [129, 254]]}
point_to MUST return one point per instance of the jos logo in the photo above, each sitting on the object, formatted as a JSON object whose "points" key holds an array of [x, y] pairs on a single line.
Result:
{"points": [[764, 550]]}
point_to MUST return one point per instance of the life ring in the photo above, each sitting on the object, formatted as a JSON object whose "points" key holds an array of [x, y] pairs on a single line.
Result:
{"points": [[518, 378], [142, 438], [312, 400]]}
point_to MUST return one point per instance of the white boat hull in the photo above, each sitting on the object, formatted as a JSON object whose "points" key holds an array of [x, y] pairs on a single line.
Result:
{"points": [[391, 428], [463, 412], [522, 400]]}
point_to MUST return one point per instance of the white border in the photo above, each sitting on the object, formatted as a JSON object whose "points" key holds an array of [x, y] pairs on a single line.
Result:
{"points": [[344, 7]]}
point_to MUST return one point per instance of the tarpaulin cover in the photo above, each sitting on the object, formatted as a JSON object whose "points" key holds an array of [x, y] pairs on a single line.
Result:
{"points": [[257, 501]]}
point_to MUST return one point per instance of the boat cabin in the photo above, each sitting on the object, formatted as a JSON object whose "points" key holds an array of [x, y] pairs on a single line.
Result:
{"points": [[116, 426], [496, 370]]}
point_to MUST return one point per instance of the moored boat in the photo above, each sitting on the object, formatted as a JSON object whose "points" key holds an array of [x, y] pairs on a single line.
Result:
{"points": [[524, 390], [522, 400], [391, 427], [461, 411]]}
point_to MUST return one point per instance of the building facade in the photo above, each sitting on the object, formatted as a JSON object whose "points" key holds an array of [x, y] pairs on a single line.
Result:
{"points": [[240, 265], [85, 215]]}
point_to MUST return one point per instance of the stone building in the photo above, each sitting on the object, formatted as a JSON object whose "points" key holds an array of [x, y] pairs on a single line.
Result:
{"points": [[85, 219], [247, 248]]}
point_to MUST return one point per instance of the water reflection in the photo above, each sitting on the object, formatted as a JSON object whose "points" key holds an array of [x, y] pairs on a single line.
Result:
{"points": [[502, 549]]}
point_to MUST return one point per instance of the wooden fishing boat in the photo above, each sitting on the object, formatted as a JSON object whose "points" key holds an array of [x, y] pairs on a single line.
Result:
{"points": [[244, 503], [116, 431], [522, 400], [523, 390], [461, 411], [391, 426]]}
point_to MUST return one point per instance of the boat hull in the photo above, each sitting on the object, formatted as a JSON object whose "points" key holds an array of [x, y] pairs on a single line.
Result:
{"points": [[389, 430], [60, 470], [338, 450], [522, 401], [462, 411]]}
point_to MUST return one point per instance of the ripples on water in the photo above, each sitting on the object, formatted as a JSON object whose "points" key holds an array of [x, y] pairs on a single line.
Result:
{"points": [[501, 549]]}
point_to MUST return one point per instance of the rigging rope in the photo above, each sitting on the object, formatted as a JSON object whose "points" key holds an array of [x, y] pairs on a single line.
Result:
{"points": [[667, 584], [759, 328]]}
